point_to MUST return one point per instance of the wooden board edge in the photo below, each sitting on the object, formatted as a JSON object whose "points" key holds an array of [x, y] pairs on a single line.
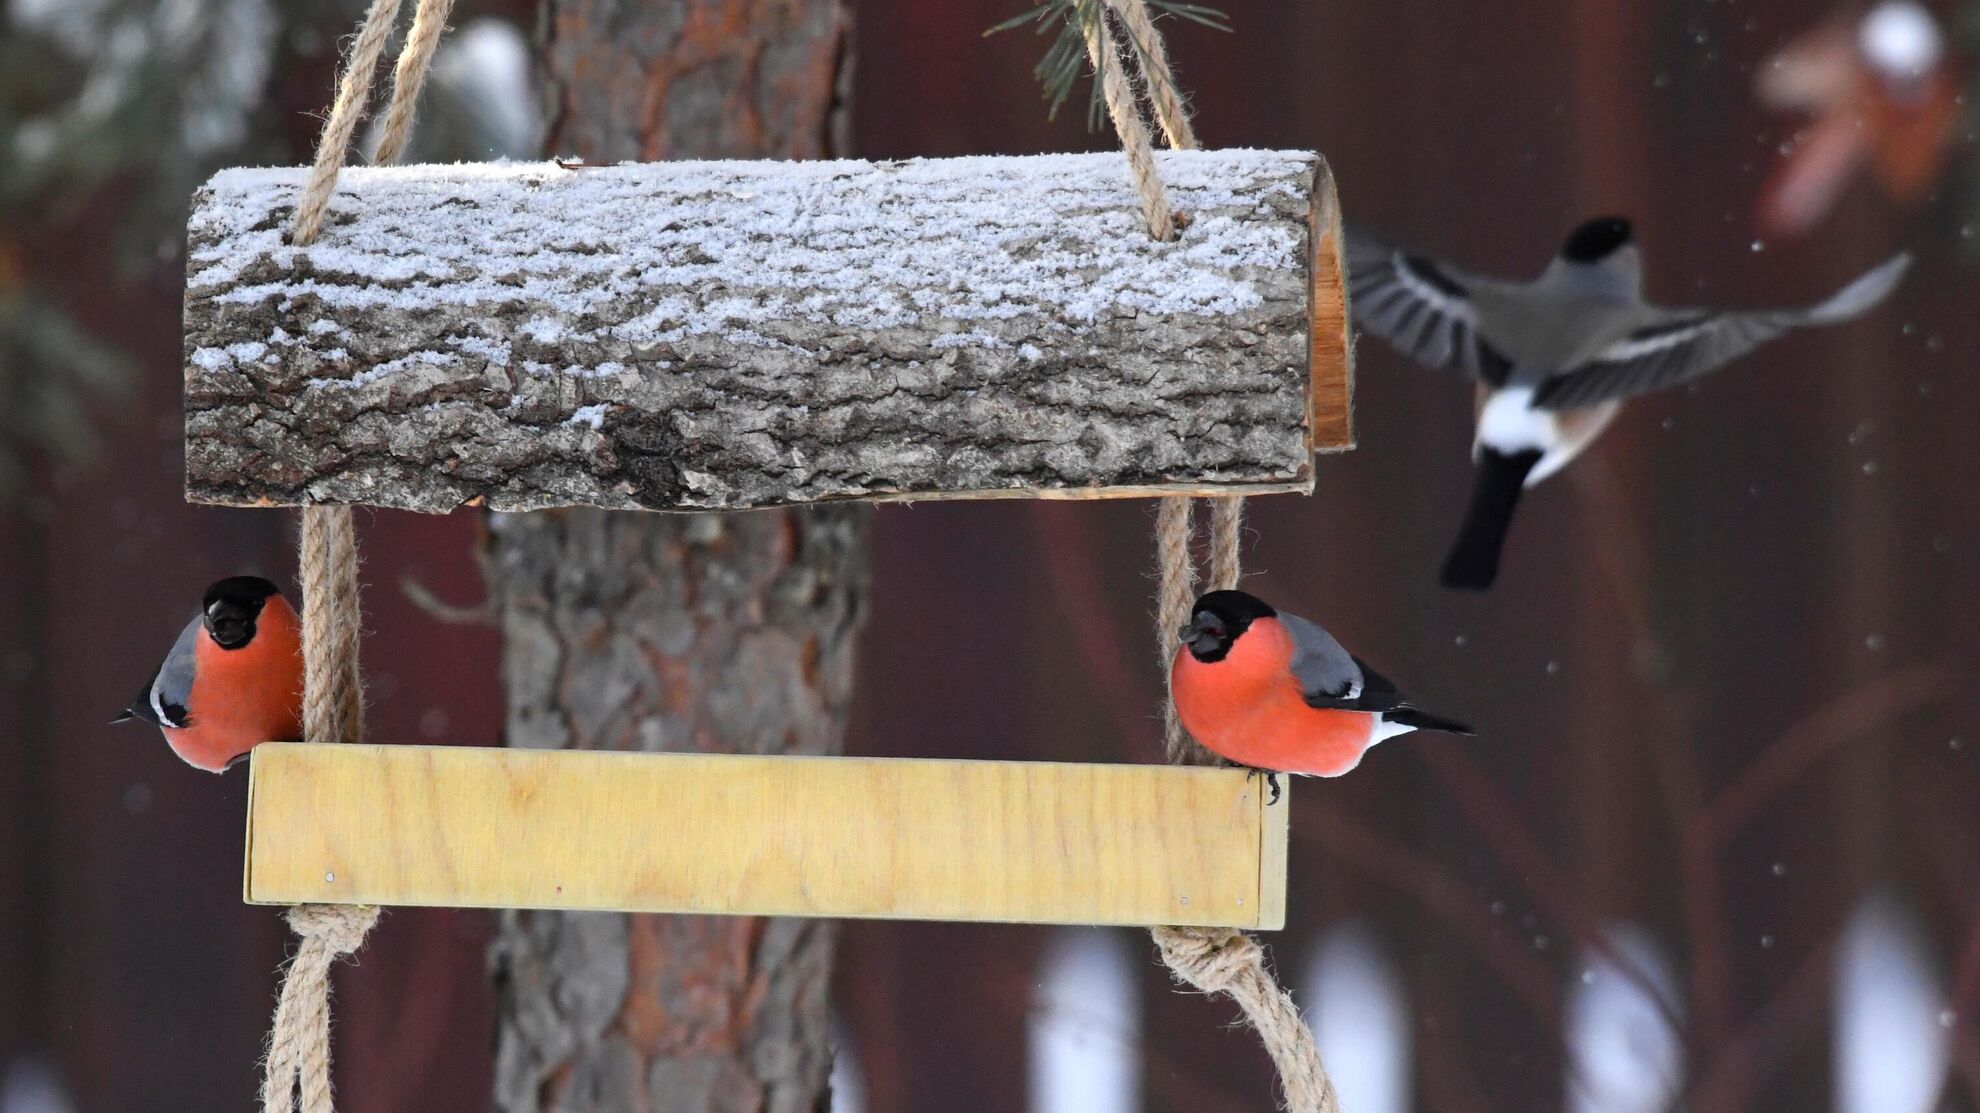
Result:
{"points": [[247, 845], [1331, 356], [1267, 903], [1274, 833], [1302, 484]]}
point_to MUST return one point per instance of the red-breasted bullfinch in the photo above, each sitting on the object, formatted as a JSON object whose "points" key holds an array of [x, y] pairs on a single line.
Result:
{"points": [[1554, 358], [1275, 692], [233, 680]]}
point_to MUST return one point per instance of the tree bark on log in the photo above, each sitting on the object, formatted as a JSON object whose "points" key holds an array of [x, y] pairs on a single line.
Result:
{"points": [[725, 335], [697, 632]]}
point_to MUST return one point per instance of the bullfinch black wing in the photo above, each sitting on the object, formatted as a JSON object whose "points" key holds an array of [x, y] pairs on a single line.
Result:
{"points": [[1421, 306], [163, 701], [1690, 343]]}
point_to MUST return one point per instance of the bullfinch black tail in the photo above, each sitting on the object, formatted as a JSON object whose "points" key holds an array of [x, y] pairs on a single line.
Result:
{"points": [[140, 708], [1474, 560], [1424, 720]]}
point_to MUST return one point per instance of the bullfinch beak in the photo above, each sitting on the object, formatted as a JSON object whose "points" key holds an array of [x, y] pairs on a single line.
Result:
{"points": [[1202, 633]]}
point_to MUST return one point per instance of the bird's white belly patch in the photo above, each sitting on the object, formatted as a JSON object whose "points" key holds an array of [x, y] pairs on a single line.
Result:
{"points": [[1508, 423], [1385, 729]]}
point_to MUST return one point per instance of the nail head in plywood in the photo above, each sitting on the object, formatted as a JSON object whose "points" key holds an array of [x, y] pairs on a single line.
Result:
{"points": [[750, 835]]}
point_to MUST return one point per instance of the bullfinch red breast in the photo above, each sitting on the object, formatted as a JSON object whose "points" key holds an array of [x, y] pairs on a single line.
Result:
{"points": [[1275, 692], [233, 679]]}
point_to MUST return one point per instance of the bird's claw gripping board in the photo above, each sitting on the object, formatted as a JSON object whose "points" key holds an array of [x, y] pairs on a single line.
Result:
{"points": [[727, 335], [1013, 841]]}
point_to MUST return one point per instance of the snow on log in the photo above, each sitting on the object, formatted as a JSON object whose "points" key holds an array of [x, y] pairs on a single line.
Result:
{"points": [[717, 335]]}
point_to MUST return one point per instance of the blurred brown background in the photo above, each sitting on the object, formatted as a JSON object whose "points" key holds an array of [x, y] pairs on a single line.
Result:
{"points": [[1724, 689]]}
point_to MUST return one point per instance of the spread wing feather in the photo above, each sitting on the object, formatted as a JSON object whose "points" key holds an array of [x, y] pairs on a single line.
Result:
{"points": [[1690, 343], [1421, 306]]}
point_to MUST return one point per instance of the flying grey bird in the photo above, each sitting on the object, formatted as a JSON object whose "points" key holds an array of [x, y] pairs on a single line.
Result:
{"points": [[1554, 358]]}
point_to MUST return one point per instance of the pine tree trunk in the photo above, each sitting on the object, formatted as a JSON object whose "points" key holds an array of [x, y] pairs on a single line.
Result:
{"points": [[674, 631]]}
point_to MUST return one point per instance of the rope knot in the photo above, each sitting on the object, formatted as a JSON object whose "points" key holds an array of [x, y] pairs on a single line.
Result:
{"points": [[1211, 960], [339, 928]]}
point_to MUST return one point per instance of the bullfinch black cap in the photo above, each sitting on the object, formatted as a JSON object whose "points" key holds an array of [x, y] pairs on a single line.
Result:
{"points": [[245, 590], [1597, 239], [231, 607]]}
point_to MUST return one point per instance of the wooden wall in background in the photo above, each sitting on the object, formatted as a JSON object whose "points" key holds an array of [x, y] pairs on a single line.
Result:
{"points": [[1022, 629]]}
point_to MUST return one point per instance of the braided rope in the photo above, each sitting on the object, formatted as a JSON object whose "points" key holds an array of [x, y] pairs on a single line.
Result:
{"points": [[1163, 95], [298, 1062], [297, 1068], [1220, 960], [1175, 591], [429, 20], [354, 90], [1126, 115]]}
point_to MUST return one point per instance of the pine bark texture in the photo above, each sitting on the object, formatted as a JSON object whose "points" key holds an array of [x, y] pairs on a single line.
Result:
{"points": [[672, 632], [728, 335], [676, 631]]}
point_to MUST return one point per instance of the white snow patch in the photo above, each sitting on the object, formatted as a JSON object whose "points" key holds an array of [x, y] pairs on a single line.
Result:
{"points": [[1085, 1025], [543, 330], [967, 340], [593, 416], [390, 367], [659, 254], [29, 1084], [494, 351]]}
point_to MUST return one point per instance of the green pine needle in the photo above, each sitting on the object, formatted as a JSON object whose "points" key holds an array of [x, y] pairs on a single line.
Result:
{"points": [[1066, 58]]}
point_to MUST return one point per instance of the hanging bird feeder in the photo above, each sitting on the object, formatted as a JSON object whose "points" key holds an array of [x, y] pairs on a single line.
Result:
{"points": [[733, 335]]}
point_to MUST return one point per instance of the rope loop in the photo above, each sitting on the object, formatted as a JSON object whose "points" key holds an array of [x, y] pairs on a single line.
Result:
{"points": [[339, 928], [1210, 960]]}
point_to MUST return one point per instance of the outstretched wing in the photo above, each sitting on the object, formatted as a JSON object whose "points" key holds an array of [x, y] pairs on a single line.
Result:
{"points": [[163, 701], [1690, 343], [1421, 306]]}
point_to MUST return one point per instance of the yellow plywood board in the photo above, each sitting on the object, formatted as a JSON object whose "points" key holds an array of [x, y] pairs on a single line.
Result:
{"points": [[1036, 842]]}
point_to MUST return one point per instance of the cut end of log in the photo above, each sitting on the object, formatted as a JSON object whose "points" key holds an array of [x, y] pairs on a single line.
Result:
{"points": [[728, 335]]}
